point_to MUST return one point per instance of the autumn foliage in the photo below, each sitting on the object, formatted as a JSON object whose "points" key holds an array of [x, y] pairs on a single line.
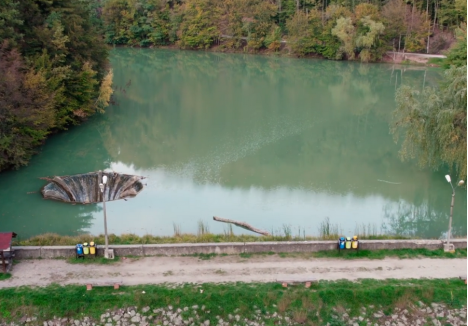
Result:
{"points": [[52, 73]]}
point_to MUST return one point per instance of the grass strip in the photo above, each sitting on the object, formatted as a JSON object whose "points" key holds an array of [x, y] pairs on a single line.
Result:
{"points": [[344, 254], [351, 254], [315, 304], [383, 253], [4, 276], [51, 239]]}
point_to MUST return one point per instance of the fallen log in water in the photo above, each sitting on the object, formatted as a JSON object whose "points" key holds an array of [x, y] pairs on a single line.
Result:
{"points": [[241, 224]]}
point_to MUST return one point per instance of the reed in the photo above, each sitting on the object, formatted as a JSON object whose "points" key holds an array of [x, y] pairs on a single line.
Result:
{"points": [[366, 230], [51, 239], [203, 228], [228, 231], [328, 231], [177, 232], [287, 231]]}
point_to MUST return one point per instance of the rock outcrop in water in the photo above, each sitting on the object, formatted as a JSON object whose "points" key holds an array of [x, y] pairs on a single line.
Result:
{"points": [[84, 188]]}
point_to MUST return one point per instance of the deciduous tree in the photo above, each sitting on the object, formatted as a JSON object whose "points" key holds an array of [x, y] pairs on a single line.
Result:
{"points": [[432, 123]]}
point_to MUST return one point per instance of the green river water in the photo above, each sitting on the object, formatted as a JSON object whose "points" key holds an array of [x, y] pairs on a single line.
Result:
{"points": [[269, 141]]}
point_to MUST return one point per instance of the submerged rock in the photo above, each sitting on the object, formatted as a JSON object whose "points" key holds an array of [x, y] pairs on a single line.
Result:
{"points": [[84, 188]]}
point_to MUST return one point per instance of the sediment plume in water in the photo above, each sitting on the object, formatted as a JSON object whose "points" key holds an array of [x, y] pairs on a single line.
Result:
{"points": [[84, 188]]}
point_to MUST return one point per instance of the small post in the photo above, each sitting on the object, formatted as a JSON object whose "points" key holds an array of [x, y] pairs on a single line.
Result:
{"points": [[448, 247], [108, 254], [449, 234]]}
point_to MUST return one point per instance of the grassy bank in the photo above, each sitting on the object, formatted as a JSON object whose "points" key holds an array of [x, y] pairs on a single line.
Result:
{"points": [[315, 305], [51, 239], [326, 231]]}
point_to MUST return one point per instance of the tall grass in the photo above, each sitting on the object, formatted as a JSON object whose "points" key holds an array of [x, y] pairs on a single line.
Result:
{"points": [[328, 231], [366, 230], [50, 239], [177, 232], [287, 231], [229, 231], [203, 228], [300, 235]]}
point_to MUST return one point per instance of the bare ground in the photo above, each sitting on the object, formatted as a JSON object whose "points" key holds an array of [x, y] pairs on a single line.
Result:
{"points": [[154, 270]]}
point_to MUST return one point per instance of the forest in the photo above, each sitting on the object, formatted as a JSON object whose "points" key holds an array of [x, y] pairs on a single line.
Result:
{"points": [[54, 70], [343, 29]]}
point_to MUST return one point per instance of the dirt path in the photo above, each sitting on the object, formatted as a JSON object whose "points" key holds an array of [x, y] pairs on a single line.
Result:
{"points": [[152, 270]]}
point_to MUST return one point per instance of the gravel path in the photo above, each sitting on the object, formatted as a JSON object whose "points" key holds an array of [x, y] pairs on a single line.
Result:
{"points": [[154, 270]]}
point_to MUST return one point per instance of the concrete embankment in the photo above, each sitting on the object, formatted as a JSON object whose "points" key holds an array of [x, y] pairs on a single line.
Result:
{"points": [[28, 252]]}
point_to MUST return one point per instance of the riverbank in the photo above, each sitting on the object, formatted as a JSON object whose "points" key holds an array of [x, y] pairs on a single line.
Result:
{"points": [[229, 248], [408, 58], [52, 239]]}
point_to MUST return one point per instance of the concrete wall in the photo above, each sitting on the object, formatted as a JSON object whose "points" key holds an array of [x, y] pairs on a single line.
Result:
{"points": [[229, 248]]}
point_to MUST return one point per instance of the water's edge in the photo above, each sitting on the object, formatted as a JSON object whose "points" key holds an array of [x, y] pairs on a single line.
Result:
{"points": [[36, 252]]}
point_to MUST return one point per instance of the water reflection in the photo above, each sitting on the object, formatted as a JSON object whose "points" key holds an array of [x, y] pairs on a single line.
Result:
{"points": [[263, 121], [424, 218], [22, 208], [270, 141]]}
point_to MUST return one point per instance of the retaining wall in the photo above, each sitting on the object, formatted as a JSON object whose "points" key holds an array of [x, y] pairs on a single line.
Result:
{"points": [[229, 248]]}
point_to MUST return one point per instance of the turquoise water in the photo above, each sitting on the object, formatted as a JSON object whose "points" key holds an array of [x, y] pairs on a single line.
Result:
{"points": [[270, 141]]}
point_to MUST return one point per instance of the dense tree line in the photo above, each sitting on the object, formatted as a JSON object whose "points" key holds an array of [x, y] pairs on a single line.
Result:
{"points": [[52, 72], [53, 54], [346, 29]]}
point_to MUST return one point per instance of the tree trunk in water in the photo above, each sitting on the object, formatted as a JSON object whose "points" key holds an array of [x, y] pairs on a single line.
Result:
{"points": [[241, 224]]}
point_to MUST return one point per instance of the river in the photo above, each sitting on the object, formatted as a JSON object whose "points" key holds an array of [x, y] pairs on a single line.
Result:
{"points": [[275, 142]]}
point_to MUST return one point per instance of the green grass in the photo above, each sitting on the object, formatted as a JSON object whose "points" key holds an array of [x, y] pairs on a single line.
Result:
{"points": [[343, 254], [4, 276], [381, 254], [437, 61], [204, 256], [51, 239], [315, 304], [369, 254]]}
